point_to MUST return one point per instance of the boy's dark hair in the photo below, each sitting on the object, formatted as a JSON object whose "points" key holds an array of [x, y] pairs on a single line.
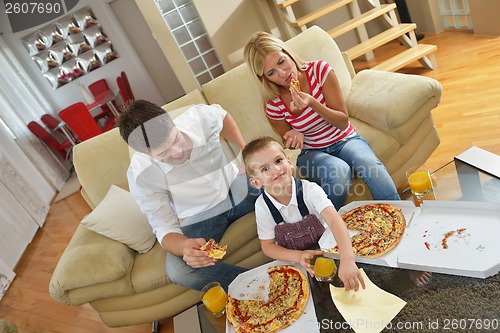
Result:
{"points": [[144, 125]]}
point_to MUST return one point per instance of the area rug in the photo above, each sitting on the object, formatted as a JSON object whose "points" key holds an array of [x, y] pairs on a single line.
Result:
{"points": [[448, 303]]}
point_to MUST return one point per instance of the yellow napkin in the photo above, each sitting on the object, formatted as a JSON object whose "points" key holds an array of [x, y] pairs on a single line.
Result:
{"points": [[367, 310]]}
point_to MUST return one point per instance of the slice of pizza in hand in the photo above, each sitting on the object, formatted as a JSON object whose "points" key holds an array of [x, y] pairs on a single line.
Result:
{"points": [[213, 249], [295, 85]]}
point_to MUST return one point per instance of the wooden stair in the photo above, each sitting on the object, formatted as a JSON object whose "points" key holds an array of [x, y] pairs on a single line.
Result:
{"points": [[320, 12], [406, 57], [360, 20], [383, 12], [380, 39]]}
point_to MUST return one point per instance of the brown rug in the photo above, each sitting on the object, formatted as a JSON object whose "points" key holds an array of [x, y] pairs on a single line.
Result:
{"points": [[447, 304]]}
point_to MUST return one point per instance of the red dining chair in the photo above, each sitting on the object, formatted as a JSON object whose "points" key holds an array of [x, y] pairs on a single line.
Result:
{"points": [[123, 90], [127, 85], [50, 121], [78, 118], [62, 148], [97, 88], [54, 124]]}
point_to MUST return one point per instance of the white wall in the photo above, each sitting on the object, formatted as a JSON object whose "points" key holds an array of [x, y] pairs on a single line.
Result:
{"points": [[141, 37], [230, 24]]}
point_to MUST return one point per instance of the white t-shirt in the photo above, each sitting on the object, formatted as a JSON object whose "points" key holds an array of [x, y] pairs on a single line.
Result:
{"points": [[166, 193], [314, 197]]}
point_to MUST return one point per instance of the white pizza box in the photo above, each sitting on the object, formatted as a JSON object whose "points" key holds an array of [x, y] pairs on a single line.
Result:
{"points": [[389, 259], [253, 284], [473, 253]]}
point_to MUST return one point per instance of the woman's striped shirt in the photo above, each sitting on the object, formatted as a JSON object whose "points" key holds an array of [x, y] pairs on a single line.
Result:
{"points": [[318, 133]]}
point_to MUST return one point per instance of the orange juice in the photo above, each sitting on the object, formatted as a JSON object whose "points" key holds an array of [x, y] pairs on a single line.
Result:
{"points": [[215, 299], [324, 268], [420, 182]]}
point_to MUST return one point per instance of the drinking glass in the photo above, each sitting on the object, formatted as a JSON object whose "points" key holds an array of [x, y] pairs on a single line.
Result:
{"points": [[214, 297], [419, 179], [324, 268]]}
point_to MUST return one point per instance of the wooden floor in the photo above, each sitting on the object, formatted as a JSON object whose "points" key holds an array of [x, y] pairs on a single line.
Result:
{"points": [[469, 71], [469, 114]]}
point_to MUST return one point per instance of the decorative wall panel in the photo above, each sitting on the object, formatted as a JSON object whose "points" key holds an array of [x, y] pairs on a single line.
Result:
{"points": [[70, 47]]}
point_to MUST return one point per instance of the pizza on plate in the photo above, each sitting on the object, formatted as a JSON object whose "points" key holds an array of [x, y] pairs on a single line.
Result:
{"points": [[287, 297], [381, 228], [213, 249]]}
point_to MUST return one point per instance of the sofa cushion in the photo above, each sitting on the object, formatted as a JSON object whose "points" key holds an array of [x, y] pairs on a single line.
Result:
{"points": [[92, 267], [412, 97], [244, 102], [119, 217], [149, 272], [96, 173]]}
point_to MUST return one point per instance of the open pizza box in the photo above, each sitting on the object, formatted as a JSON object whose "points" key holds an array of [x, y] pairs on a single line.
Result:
{"points": [[473, 252], [253, 284]]}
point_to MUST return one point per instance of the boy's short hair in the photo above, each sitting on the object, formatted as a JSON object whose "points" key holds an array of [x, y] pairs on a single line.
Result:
{"points": [[144, 125], [255, 146]]}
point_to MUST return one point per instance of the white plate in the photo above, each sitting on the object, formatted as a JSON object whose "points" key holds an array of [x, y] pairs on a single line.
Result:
{"points": [[253, 284]]}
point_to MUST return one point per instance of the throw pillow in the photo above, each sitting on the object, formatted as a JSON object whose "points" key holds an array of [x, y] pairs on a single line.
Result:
{"points": [[119, 217]]}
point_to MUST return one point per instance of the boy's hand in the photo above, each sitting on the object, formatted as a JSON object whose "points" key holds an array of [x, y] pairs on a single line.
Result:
{"points": [[306, 256], [192, 254], [350, 275]]}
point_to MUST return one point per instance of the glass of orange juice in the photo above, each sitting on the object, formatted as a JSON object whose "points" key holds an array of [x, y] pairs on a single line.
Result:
{"points": [[214, 297], [419, 179], [324, 268]]}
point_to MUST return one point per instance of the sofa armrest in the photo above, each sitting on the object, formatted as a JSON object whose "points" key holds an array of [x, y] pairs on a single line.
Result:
{"points": [[90, 260], [392, 102]]}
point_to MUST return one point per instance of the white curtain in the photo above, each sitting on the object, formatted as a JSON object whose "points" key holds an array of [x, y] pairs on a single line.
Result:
{"points": [[20, 103]]}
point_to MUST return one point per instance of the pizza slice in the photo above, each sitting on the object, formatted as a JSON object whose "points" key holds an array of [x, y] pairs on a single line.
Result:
{"points": [[288, 295], [213, 249], [295, 85]]}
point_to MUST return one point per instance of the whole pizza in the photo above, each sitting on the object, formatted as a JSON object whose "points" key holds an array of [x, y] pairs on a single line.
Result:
{"points": [[287, 298], [381, 228]]}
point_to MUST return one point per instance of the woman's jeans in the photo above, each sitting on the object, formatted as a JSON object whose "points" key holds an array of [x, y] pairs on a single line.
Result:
{"points": [[214, 227], [334, 166]]}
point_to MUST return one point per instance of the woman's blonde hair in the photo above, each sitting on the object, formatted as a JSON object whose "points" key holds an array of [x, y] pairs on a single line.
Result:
{"points": [[261, 44]]}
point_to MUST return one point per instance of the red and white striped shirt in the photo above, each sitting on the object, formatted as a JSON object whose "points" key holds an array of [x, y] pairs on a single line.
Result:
{"points": [[318, 133]]}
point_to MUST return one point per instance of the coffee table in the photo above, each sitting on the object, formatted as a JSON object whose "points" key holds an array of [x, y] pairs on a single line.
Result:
{"points": [[453, 181], [209, 323], [457, 180]]}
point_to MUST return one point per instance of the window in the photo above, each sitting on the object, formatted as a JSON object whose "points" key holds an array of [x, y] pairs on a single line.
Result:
{"points": [[455, 14], [184, 22]]}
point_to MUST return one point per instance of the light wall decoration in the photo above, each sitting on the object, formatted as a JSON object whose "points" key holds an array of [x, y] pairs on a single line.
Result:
{"points": [[70, 47]]}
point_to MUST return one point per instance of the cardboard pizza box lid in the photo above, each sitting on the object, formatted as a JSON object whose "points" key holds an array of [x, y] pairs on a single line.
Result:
{"points": [[472, 252]]}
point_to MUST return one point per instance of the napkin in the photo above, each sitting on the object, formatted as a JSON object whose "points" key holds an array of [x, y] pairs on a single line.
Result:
{"points": [[368, 310]]}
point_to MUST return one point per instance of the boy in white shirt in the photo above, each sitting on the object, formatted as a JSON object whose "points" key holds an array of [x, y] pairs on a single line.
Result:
{"points": [[268, 167]]}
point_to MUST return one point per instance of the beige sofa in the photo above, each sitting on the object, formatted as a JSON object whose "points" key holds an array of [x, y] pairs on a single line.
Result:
{"points": [[392, 111]]}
